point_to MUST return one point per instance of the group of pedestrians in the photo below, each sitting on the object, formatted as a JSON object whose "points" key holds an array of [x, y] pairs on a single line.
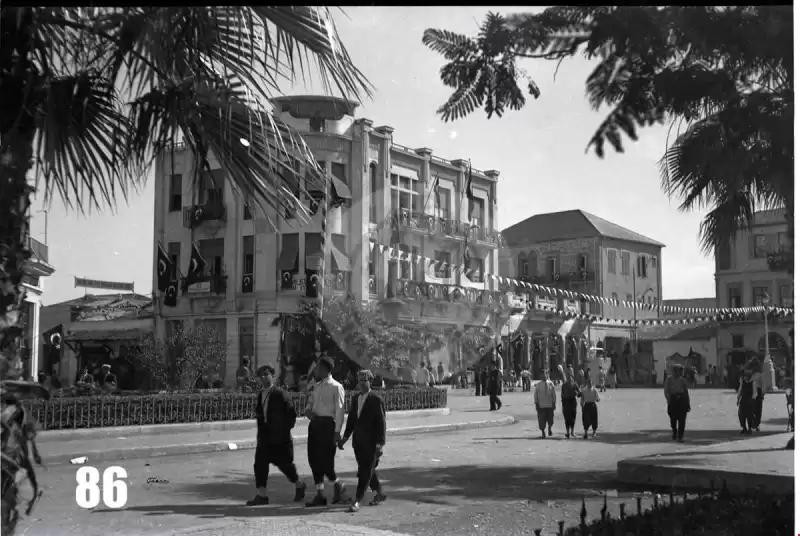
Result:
{"points": [[545, 400], [327, 431]]}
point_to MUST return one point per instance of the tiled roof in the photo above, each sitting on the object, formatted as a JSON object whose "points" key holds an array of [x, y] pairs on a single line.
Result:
{"points": [[569, 225]]}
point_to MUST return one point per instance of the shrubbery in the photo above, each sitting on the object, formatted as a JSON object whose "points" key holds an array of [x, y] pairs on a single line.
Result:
{"points": [[63, 413]]}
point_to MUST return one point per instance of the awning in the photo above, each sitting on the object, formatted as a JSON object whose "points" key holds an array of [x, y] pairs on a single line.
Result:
{"points": [[340, 261], [340, 189], [289, 255], [405, 172]]}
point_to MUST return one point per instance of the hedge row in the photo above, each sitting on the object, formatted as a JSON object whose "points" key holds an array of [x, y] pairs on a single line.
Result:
{"points": [[103, 411]]}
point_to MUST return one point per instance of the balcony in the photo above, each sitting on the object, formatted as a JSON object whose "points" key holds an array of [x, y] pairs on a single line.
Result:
{"points": [[780, 261], [437, 293], [207, 284], [38, 265], [197, 214], [455, 229], [336, 283]]}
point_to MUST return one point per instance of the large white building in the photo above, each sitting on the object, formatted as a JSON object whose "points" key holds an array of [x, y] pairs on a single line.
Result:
{"points": [[37, 268], [256, 278], [754, 268]]}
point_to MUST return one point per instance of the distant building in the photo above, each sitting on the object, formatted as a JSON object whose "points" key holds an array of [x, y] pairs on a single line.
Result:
{"points": [[36, 269], [749, 271], [686, 303], [578, 251], [257, 278]]}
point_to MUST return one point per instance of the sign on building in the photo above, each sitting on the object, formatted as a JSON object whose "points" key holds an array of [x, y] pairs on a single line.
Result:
{"points": [[103, 285]]}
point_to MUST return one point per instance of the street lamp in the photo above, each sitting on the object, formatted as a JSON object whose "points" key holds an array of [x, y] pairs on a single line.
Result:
{"points": [[768, 368]]}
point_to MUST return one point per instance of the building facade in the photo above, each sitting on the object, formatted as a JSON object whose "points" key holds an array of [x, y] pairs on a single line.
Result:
{"points": [[752, 271], [258, 277], [37, 268], [577, 251]]}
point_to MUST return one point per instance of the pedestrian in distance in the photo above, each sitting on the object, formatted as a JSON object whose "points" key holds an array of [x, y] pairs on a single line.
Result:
{"points": [[477, 374], [676, 391], [746, 400], [602, 380], [526, 380], [544, 398], [275, 419], [590, 397], [612, 376], [484, 381], [758, 403], [366, 423], [569, 403], [325, 412], [495, 385]]}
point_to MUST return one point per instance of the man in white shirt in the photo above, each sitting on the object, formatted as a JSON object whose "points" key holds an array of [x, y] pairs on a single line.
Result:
{"points": [[544, 398], [325, 412]]}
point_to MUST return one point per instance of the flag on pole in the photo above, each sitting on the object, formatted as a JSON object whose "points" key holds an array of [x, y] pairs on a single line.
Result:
{"points": [[197, 264]]}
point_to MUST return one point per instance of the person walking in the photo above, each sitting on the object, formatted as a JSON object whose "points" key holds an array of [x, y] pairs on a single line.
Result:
{"points": [[676, 391], [581, 377], [746, 400], [484, 381], [477, 375], [325, 413], [544, 398], [589, 415], [366, 422], [602, 380], [495, 383], [758, 403], [569, 403], [275, 418], [526, 380], [612, 376]]}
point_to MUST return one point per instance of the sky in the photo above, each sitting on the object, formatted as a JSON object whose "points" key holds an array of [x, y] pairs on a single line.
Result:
{"points": [[540, 152]]}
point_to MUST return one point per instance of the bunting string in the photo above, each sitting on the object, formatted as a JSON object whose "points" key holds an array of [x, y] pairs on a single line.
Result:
{"points": [[544, 291]]}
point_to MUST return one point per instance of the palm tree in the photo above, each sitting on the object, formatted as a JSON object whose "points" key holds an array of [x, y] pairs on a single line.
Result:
{"points": [[89, 97], [725, 74]]}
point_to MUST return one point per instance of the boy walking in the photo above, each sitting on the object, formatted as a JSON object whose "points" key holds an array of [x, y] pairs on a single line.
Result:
{"points": [[544, 398], [589, 399]]}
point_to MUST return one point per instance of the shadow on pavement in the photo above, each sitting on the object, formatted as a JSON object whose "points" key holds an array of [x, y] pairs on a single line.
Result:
{"points": [[437, 486], [692, 437], [780, 421]]}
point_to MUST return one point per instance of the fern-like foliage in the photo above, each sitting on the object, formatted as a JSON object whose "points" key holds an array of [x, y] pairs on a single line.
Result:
{"points": [[723, 73]]}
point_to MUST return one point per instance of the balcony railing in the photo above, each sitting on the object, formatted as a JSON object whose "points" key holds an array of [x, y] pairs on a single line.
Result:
{"points": [[414, 290], [431, 224], [338, 282], [39, 251], [779, 261], [207, 284], [560, 279], [197, 214]]}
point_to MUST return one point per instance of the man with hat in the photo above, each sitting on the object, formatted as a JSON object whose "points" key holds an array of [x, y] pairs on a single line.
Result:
{"points": [[366, 422], [275, 417], [325, 412], [676, 391]]}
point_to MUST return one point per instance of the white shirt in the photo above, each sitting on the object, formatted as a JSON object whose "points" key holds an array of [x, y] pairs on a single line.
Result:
{"points": [[327, 400], [544, 394], [589, 394]]}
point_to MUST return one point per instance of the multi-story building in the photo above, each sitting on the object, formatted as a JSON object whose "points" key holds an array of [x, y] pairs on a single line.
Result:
{"points": [[257, 277], [575, 250], [753, 271], [37, 268]]}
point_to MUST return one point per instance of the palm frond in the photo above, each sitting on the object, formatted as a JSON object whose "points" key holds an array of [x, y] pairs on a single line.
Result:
{"points": [[451, 45]]}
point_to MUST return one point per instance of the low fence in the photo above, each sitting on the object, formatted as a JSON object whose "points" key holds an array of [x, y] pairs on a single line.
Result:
{"points": [[68, 413]]}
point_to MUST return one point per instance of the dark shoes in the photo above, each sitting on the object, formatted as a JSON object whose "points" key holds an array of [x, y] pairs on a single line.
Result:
{"points": [[300, 493], [379, 498], [550, 432], [318, 500], [338, 493], [258, 500]]}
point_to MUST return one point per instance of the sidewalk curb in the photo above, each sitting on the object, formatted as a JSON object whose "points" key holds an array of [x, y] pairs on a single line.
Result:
{"points": [[49, 436], [276, 523], [221, 445]]}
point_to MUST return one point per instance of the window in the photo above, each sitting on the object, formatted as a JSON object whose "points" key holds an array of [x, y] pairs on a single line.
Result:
{"points": [[760, 293], [404, 194], [175, 192], [442, 265], [174, 252], [405, 261], [734, 296], [614, 297], [212, 251], [443, 204], [654, 261], [641, 265], [737, 341], [784, 244], [612, 261], [767, 244], [248, 262], [248, 211], [476, 216], [625, 261], [313, 251], [786, 296], [583, 262], [247, 341], [316, 124], [211, 187], [629, 297], [372, 256], [724, 256], [552, 267], [476, 270], [414, 263], [522, 269], [373, 190], [339, 171]]}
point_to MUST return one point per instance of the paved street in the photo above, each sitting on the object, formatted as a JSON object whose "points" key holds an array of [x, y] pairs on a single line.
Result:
{"points": [[498, 480]]}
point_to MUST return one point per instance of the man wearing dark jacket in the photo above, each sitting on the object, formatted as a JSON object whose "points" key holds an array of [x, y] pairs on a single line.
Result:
{"points": [[275, 417], [366, 422]]}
